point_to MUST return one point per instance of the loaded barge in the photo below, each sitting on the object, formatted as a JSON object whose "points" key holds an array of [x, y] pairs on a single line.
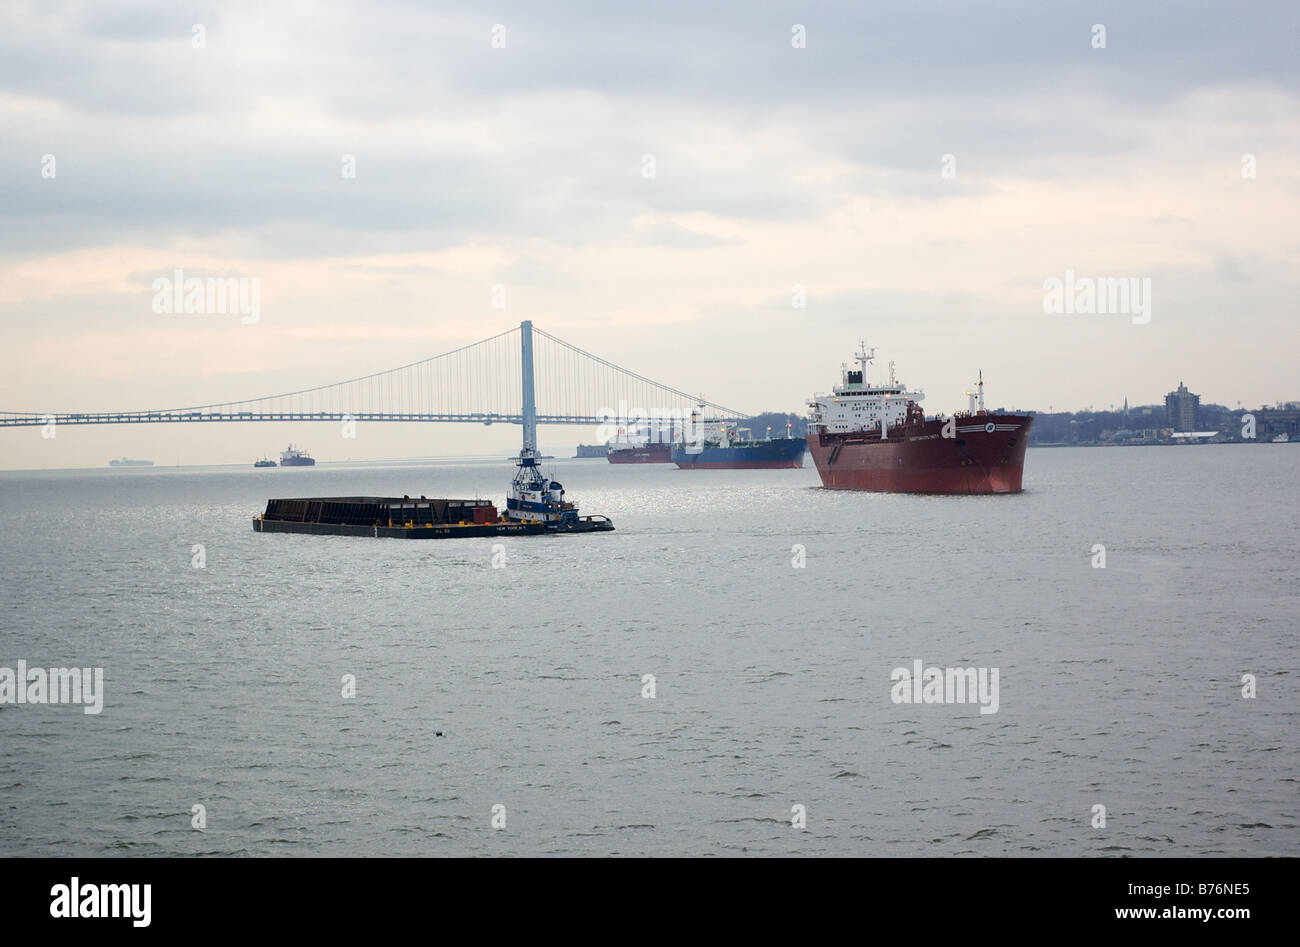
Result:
{"points": [[536, 505], [389, 517]]}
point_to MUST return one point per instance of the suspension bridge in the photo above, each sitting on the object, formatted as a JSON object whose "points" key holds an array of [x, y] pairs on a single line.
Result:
{"points": [[521, 376]]}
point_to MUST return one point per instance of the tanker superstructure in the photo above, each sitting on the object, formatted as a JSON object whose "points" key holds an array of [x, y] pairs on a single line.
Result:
{"points": [[875, 436]]}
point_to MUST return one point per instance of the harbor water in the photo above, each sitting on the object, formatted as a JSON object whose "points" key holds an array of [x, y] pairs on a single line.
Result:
{"points": [[686, 685]]}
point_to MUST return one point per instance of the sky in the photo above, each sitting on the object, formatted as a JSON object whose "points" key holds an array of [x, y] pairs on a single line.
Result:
{"points": [[650, 182]]}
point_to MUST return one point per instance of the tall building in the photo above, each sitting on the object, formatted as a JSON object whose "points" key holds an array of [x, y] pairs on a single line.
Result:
{"points": [[1181, 408]]}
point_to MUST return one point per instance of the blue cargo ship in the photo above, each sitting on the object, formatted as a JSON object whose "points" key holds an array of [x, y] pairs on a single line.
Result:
{"points": [[743, 455], [719, 445]]}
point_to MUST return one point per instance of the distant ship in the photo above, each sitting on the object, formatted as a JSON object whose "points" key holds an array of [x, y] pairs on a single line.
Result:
{"points": [[590, 450], [716, 445], [874, 436], [642, 442], [264, 462], [645, 454], [127, 462], [1283, 438], [292, 457]]}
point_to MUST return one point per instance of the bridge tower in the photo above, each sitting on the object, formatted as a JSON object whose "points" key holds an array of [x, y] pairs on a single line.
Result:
{"points": [[530, 403]]}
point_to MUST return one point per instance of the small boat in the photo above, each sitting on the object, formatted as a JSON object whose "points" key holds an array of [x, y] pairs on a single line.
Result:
{"points": [[264, 462], [127, 462]]}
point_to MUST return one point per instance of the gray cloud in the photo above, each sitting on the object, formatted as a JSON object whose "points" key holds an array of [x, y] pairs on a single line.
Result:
{"points": [[156, 140]]}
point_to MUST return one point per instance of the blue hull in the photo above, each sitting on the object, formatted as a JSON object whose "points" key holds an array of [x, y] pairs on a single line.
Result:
{"points": [[758, 455]]}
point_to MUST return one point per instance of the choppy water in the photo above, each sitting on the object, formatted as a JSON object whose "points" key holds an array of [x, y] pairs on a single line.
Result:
{"points": [[1118, 686]]}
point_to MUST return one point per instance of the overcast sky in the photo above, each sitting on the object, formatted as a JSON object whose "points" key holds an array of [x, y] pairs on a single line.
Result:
{"points": [[522, 165]]}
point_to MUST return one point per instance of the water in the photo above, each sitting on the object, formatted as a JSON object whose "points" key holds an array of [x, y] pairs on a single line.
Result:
{"points": [[1118, 686]]}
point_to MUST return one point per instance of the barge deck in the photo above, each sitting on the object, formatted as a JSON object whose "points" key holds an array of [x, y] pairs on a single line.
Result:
{"points": [[406, 518]]}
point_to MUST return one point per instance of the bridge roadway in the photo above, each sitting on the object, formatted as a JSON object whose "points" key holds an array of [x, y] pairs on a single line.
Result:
{"points": [[172, 417]]}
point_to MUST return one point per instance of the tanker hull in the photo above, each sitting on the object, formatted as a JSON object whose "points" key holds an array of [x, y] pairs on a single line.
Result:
{"points": [[986, 454], [649, 454]]}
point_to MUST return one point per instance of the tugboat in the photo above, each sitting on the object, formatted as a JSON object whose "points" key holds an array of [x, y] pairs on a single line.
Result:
{"points": [[536, 498], [264, 462]]}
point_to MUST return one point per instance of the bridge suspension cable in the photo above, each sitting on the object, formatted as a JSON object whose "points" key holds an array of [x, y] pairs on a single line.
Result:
{"points": [[476, 383]]}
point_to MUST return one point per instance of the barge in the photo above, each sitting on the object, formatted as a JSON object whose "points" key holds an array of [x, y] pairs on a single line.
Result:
{"points": [[389, 517], [536, 506]]}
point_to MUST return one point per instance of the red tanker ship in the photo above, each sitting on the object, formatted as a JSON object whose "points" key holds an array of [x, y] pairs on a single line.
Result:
{"points": [[645, 454], [643, 441], [867, 436]]}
